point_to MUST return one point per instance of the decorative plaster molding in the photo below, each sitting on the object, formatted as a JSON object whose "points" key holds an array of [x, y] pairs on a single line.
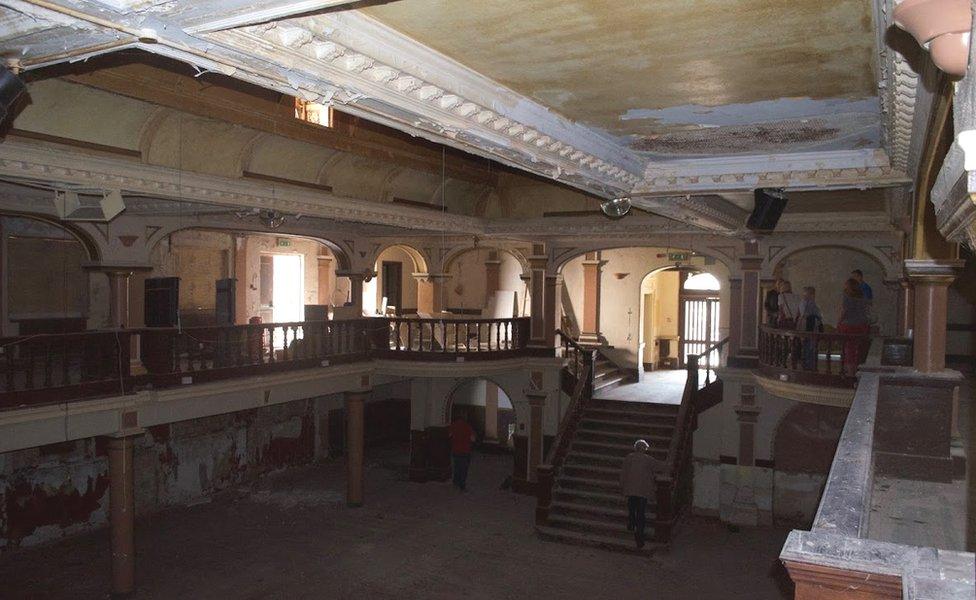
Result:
{"points": [[802, 170], [353, 60], [28, 162], [835, 221], [898, 85], [710, 212], [811, 394]]}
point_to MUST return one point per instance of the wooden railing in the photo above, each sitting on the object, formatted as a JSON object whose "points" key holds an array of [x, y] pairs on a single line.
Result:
{"points": [[675, 484], [577, 356], [582, 393], [429, 339], [827, 359], [64, 367], [46, 368]]}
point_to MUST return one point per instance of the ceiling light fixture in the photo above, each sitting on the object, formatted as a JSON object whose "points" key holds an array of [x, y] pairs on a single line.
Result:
{"points": [[616, 207]]}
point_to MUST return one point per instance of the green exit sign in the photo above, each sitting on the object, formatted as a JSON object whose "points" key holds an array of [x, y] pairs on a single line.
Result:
{"points": [[678, 256], [284, 243]]}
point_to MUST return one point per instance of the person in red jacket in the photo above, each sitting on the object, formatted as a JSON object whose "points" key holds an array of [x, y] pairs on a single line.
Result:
{"points": [[462, 435]]}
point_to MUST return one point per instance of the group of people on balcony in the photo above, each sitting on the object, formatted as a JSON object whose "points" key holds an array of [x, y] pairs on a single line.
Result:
{"points": [[786, 310]]}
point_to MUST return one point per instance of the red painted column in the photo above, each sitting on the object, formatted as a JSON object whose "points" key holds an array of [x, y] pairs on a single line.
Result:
{"points": [[537, 265], [931, 280], [590, 328], [355, 446], [122, 514]]}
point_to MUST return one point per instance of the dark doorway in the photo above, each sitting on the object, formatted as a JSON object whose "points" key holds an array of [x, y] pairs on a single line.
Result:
{"points": [[698, 318], [393, 284]]}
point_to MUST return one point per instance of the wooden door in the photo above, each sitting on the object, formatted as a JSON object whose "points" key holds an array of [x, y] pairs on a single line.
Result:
{"points": [[393, 284], [699, 315]]}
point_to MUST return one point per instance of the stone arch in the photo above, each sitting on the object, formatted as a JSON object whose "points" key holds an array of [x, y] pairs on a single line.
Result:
{"points": [[88, 243], [420, 262], [448, 400], [456, 253], [343, 262], [566, 257], [891, 268]]}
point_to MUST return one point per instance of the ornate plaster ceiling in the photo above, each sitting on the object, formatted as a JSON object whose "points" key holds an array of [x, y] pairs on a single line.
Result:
{"points": [[673, 77], [645, 98]]}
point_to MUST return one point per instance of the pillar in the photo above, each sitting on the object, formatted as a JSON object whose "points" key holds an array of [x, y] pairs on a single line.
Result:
{"points": [[735, 310], [356, 279], [492, 274], [118, 297], [430, 292], [122, 513], [537, 402], [906, 305], [930, 279], [590, 329], [537, 284], [748, 304], [241, 281], [551, 303], [355, 446], [491, 411], [324, 274]]}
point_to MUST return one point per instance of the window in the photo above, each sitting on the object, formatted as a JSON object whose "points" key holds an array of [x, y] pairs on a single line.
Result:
{"points": [[702, 282], [313, 112]]}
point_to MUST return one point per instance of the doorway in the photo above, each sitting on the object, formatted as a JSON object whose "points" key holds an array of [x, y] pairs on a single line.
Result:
{"points": [[393, 284], [288, 288], [699, 315]]}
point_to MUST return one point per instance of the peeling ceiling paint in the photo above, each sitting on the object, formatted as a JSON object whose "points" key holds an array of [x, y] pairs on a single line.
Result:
{"points": [[673, 77]]}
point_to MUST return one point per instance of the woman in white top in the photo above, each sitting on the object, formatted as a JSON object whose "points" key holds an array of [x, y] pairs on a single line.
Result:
{"points": [[789, 306]]}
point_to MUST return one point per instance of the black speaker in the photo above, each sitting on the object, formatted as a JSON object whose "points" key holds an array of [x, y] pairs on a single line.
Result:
{"points": [[162, 301], [11, 87], [768, 209]]}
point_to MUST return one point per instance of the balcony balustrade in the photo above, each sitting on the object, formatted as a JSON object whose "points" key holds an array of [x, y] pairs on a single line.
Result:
{"points": [[42, 369]]}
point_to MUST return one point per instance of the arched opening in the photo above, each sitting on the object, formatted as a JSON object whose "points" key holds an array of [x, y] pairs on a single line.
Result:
{"points": [[228, 277], [489, 411], [487, 408], [826, 268], [46, 288], [639, 300], [488, 282], [394, 289]]}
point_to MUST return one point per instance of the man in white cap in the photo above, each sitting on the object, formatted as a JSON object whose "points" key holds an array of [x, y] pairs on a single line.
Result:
{"points": [[637, 483]]}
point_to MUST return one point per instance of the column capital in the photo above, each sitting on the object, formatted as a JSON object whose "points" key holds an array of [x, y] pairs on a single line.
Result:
{"points": [[431, 277], [750, 263], [933, 270], [537, 397], [364, 275]]}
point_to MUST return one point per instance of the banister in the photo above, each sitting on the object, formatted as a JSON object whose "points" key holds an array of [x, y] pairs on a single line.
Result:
{"points": [[810, 357]]}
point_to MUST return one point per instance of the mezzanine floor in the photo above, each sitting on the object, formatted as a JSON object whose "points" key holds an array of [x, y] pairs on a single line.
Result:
{"points": [[664, 386], [292, 537]]}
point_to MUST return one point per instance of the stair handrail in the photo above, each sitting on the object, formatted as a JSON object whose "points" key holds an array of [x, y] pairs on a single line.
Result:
{"points": [[708, 366], [547, 471], [574, 351]]}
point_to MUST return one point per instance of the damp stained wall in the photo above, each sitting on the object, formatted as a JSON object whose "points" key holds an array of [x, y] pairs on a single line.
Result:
{"points": [[466, 288]]}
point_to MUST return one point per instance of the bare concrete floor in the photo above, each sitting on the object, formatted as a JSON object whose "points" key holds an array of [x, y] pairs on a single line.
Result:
{"points": [[292, 537], [664, 387]]}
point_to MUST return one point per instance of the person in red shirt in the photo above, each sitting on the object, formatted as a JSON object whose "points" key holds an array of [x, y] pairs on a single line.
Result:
{"points": [[462, 435]]}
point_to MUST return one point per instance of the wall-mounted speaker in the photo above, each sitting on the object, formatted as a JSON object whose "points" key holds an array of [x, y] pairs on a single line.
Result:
{"points": [[769, 207], [162, 301]]}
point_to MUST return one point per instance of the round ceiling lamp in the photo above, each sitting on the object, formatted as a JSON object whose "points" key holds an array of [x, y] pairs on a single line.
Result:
{"points": [[615, 208]]}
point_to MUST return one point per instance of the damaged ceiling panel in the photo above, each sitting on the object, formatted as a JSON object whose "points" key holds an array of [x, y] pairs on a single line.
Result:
{"points": [[673, 77]]}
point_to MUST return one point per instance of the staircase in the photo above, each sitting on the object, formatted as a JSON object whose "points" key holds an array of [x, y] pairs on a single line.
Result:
{"points": [[607, 375], [587, 507]]}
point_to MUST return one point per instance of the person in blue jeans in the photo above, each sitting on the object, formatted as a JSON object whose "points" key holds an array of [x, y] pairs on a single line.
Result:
{"points": [[637, 484]]}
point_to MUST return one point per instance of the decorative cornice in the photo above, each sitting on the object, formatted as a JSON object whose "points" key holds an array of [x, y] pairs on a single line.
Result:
{"points": [[28, 162], [803, 170], [710, 212], [356, 61]]}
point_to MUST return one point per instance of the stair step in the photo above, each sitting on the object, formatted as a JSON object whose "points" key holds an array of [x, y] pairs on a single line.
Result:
{"points": [[595, 541], [568, 507], [591, 472], [611, 527], [581, 458], [608, 381], [586, 484], [626, 406], [591, 497], [620, 437], [611, 449], [629, 428]]}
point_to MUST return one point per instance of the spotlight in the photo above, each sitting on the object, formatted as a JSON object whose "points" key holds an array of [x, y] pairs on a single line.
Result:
{"points": [[616, 207], [272, 219]]}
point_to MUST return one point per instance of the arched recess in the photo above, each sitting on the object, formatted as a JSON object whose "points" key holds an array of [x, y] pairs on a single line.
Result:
{"points": [[201, 255], [46, 285], [825, 267], [619, 299], [477, 395], [478, 273], [395, 265], [890, 267], [707, 252]]}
